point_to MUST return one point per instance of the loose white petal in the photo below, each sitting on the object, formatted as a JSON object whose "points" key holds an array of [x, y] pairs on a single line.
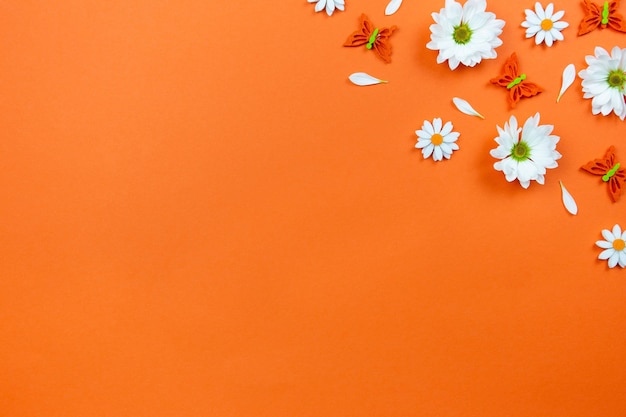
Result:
{"points": [[569, 74], [362, 79], [568, 200], [465, 107], [392, 7]]}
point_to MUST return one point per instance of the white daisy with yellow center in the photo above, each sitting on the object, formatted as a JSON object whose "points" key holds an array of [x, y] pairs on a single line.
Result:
{"points": [[614, 247], [525, 158], [437, 139], [604, 81], [465, 34], [544, 25]]}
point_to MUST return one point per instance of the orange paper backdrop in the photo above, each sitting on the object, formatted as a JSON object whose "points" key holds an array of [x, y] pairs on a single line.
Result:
{"points": [[201, 216]]}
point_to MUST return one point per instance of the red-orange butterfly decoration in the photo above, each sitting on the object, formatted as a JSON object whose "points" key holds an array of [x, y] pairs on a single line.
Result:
{"points": [[601, 16], [515, 82], [610, 171], [373, 38]]}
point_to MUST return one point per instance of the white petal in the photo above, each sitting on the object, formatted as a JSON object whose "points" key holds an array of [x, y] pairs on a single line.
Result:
{"points": [[607, 235], [549, 11], [613, 259], [465, 107], [438, 154], [437, 124], [446, 129], [321, 4], [422, 143], [617, 231], [604, 244], [392, 7], [330, 7], [428, 127], [548, 38], [539, 11], [363, 79], [427, 151], [569, 74], [568, 200], [540, 37], [607, 253]]}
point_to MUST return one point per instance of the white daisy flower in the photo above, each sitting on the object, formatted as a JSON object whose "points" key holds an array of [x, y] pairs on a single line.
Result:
{"points": [[436, 139], [544, 25], [526, 158], [614, 247], [330, 5], [465, 34], [604, 81]]}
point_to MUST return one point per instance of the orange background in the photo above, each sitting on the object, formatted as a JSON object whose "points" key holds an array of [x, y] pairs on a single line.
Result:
{"points": [[203, 217]]}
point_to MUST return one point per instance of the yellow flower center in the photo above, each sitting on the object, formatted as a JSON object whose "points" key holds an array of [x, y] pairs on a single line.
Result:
{"points": [[617, 79], [462, 34], [619, 244], [546, 24], [436, 139], [520, 151]]}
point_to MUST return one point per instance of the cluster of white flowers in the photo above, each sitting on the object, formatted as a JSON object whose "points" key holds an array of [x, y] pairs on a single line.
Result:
{"points": [[465, 34]]}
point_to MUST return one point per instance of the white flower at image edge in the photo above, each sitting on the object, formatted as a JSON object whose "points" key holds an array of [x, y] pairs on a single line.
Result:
{"points": [[614, 247], [436, 139], [525, 158], [604, 81], [329, 5], [465, 34], [544, 25]]}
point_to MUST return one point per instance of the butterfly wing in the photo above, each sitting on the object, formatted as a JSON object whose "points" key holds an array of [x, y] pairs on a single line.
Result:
{"points": [[362, 35], [616, 184], [616, 20], [592, 19], [511, 72], [523, 90], [382, 46], [603, 165]]}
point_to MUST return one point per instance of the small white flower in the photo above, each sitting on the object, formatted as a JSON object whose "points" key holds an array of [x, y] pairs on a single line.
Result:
{"points": [[436, 140], [330, 5], [526, 158], [604, 81], [465, 34], [544, 25], [614, 247]]}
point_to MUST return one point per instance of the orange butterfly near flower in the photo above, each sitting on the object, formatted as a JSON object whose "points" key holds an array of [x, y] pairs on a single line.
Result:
{"points": [[602, 16], [373, 38], [610, 171], [515, 82]]}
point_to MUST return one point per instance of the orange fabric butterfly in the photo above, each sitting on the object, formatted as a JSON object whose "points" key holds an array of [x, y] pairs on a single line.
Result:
{"points": [[610, 172], [601, 16], [373, 38], [515, 82]]}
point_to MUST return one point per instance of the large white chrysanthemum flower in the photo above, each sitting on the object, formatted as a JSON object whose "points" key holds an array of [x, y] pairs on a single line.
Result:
{"points": [[436, 139], [526, 158], [604, 81], [614, 247], [544, 25], [465, 34], [329, 5]]}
